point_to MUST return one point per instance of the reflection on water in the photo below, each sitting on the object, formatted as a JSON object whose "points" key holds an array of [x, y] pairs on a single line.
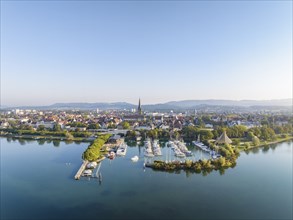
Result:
{"points": [[41, 141], [266, 148], [56, 143]]}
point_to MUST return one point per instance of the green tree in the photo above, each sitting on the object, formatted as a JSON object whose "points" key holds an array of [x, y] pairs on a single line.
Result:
{"points": [[222, 161], [125, 125], [190, 133], [278, 129], [57, 127], [131, 135], [94, 126], [41, 128], [26, 127], [153, 134], [255, 141], [267, 133], [69, 136], [236, 142], [250, 135], [205, 135], [12, 123], [111, 125]]}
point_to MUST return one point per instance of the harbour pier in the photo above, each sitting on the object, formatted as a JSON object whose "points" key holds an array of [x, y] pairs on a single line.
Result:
{"points": [[81, 169], [84, 166]]}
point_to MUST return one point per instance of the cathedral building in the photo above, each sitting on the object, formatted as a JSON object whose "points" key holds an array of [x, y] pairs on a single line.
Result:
{"points": [[139, 107]]}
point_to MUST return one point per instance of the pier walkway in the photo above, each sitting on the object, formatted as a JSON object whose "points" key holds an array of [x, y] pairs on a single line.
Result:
{"points": [[81, 169]]}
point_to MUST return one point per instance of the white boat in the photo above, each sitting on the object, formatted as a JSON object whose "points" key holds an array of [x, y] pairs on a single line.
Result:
{"points": [[214, 154], [87, 173], [201, 146], [135, 158], [179, 154], [122, 150], [92, 165], [188, 153], [172, 145]]}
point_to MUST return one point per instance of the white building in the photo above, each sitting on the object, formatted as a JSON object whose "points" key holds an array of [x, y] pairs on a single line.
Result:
{"points": [[49, 125]]}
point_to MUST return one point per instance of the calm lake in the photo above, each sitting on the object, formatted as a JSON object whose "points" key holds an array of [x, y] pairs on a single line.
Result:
{"points": [[37, 182]]}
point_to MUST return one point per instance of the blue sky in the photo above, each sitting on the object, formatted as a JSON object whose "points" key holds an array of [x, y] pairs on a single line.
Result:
{"points": [[97, 51]]}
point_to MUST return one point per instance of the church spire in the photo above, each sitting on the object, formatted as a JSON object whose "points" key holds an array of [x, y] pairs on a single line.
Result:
{"points": [[139, 107]]}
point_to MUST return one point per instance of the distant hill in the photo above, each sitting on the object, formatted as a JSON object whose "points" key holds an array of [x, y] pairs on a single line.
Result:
{"points": [[173, 105], [99, 105], [247, 103]]}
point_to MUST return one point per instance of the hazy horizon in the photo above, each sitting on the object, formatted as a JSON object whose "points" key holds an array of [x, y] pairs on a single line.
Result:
{"points": [[149, 103], [72, 51]]}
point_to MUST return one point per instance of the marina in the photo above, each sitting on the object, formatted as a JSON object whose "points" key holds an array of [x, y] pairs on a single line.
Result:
{"points": [[152, 152]]}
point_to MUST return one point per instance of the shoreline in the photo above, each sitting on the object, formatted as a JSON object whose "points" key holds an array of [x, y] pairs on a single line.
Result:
{"points": [[87, 140], [266, 144], [52, 138]]}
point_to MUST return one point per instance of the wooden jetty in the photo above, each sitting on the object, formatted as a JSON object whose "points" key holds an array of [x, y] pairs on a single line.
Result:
{"points": [[81, 169]]}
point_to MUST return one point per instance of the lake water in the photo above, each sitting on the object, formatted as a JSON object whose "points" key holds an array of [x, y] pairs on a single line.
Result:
{"points": [[37, 183]]}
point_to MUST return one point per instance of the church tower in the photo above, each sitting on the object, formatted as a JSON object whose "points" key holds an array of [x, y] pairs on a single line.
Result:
{"points": [[139, 107]]}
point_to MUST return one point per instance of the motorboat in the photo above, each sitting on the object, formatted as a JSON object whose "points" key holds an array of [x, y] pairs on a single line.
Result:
{"points": [[122, 150], [178, 153], [87, 172], [202, 146], [91, 165], [215, 155], [188, 153], [148, 153], [135, 158]]}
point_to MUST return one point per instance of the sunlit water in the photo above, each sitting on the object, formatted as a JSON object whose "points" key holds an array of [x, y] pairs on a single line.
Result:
{"points": [[37, 182]]}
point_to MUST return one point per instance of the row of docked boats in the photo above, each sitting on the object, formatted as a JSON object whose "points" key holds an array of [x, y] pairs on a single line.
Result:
{"points": [[152, 148], [205, 148], [89, 168], [179, 148], [182, 147], [201, 146]]}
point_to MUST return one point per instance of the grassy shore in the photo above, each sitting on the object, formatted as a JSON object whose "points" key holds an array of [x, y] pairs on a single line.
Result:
{"points": [[45, 137], [250, 145]]}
